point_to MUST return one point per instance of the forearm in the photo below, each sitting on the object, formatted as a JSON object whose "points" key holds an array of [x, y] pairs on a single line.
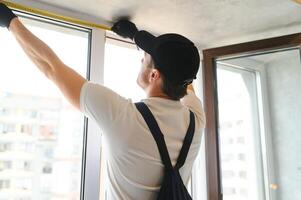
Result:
{"points": [[44, 58]]}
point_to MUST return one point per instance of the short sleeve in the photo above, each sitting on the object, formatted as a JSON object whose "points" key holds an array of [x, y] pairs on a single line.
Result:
{"points": [[101, 104], [192, 102]]}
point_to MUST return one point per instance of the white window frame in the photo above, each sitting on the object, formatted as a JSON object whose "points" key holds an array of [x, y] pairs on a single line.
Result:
{"points": [[90, 175], [94, 141], [264, 135]]}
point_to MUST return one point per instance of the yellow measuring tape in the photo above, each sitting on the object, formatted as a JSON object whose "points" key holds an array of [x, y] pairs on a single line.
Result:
{"points": [[53, 15]]}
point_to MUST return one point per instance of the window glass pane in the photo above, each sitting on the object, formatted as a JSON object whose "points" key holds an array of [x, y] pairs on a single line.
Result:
{"points": [[41, 133], [241, 166], [122, 65]]}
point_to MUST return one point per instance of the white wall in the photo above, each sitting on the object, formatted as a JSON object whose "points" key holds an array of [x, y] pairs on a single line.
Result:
{"points": [[283, 82]]}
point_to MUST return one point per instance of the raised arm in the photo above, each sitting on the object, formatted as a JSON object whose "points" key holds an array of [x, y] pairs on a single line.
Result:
{"points": [[68, 81]]}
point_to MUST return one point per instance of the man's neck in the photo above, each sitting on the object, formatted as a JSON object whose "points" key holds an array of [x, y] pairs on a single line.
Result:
{"points": [[155, 91], [158, 94]]}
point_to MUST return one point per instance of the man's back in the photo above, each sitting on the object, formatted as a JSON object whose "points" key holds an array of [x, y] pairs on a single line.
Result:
{"points": [[134, 166]]}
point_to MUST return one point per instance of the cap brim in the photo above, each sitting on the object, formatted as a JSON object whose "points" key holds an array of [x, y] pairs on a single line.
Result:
{"points": [[145, 41]]}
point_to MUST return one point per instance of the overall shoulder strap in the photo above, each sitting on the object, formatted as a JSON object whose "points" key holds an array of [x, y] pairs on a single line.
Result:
{"points": [[187, 142], [156, 132]]}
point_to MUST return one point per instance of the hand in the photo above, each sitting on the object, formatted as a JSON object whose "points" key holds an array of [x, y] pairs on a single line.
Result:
{"points": [[6, 15], [125, 29]]}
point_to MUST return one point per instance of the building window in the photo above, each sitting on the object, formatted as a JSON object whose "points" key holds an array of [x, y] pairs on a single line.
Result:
{"points": [[4, 184], [5, 147], [4, 165], [47, 168]]}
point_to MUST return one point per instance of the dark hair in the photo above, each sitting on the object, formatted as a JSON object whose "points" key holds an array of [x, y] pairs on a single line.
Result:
{"points": [[175, 92]]}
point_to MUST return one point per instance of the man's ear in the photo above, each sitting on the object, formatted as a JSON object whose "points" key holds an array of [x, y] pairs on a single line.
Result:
{"points": [[154, 75]]}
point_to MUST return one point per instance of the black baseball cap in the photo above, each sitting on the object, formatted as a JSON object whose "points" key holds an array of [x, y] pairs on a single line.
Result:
{"points": [[175, 56]]}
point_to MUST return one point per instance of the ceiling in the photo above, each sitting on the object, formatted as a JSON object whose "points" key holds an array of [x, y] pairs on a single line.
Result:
{"points": [[209, 23]]}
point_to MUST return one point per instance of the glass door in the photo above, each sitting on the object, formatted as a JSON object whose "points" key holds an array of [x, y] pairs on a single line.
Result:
{"points": [[259, 115]]}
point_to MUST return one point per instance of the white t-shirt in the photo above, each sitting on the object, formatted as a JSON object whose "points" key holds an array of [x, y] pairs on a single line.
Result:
{"points": [[134, 167]]}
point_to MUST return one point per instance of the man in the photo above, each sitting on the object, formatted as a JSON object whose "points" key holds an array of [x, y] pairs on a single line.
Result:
{"points": [[170, 63]]}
